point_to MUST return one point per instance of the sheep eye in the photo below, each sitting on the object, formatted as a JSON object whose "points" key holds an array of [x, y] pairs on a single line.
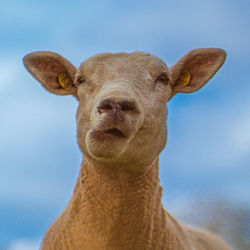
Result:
{"points": [[163, 78], [80, 79]]}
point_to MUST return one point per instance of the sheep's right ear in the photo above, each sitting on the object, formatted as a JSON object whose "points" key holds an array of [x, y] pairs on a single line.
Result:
{"points": [[52, 70]]}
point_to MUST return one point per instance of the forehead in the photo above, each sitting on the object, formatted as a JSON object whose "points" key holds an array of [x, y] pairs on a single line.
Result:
{"points": [[122, 63]]}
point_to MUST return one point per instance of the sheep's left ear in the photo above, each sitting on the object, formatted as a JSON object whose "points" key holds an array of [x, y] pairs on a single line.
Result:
{"points": [[195, 69], [52, 70]]}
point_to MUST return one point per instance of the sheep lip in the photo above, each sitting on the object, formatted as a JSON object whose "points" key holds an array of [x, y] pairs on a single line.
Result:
{"points": [[108, 133], [115, 132]]}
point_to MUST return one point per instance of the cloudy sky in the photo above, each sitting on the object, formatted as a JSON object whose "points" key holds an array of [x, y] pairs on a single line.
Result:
{"points": [[39, 157]]}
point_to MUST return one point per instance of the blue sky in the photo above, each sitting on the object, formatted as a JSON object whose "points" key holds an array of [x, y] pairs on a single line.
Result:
{"points": [[39, 157]]}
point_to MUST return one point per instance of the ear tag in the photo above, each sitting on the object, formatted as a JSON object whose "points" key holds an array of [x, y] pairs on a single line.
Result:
{"points": [[65, 81], [184, 78]]}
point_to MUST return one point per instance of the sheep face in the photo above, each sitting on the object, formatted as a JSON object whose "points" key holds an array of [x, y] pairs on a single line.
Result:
{"points": [[122, 99], [122, 112]]}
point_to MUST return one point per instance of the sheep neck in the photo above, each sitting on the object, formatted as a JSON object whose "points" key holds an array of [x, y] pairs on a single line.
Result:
{"points": [[114, 210]]}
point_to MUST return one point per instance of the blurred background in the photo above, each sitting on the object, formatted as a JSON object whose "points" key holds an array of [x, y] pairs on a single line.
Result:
{"points": [[207, 186]]}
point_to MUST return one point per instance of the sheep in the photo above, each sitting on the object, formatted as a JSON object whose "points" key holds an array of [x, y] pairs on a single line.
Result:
{"points": [[121, 130]]}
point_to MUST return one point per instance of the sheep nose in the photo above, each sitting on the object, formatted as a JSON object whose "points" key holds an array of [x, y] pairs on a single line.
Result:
{"points": [[112, 106]]}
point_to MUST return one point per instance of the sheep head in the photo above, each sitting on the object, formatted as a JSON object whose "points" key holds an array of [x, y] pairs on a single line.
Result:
{"points": [[122, 111]]}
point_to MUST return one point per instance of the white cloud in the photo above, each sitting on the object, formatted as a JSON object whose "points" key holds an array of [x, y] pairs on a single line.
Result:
{"points": [[25, 244], [210, 23], [241, 136], [31, 129], [209, 136], [8, 72], [26, 120]]}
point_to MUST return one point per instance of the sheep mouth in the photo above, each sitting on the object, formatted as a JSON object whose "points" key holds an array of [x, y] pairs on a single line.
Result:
{"points": [[108, 134], [114, 132]]}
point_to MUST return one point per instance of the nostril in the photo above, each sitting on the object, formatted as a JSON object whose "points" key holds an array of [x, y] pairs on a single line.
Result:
{"points": [[105, 106], [128, 105]]}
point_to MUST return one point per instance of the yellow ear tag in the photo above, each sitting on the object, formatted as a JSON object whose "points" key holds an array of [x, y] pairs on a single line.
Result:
{"points": [[65, 81], [184, 78]]}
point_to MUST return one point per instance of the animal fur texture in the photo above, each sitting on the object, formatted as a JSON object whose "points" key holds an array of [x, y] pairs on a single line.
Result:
{"points": [[121, 130]]}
